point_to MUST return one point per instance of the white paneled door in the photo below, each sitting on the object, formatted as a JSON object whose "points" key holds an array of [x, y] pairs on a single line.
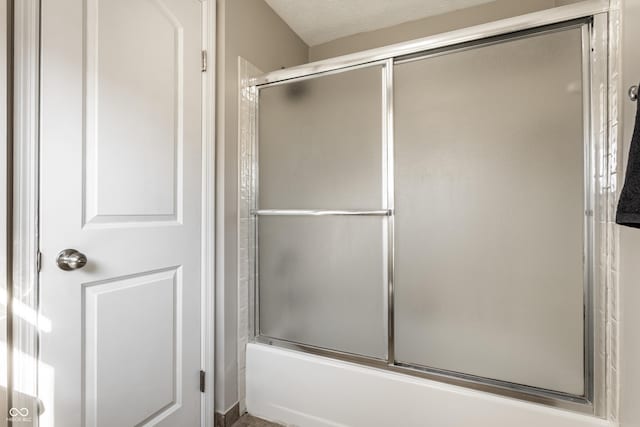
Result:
{"points": [[121, 141]]}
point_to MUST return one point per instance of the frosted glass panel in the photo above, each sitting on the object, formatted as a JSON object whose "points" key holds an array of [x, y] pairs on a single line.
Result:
{"points": [[489, 212], [322, 282], [320, 142]]}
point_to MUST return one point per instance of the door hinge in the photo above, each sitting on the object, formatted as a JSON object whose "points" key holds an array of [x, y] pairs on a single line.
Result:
{"points": [[204, 61], [202, 381], [39, 262]]}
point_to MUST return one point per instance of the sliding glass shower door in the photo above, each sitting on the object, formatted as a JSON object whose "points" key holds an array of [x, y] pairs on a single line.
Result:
{"points": [[490, 211], [434, 213], [322, 212]]}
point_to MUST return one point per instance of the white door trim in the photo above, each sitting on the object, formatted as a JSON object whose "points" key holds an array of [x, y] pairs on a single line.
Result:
{"points": [[26, 192], [23, 367], [208, 211]]}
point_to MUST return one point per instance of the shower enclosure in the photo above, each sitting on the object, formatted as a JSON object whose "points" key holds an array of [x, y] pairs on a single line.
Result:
{"points": [[436, 208]]}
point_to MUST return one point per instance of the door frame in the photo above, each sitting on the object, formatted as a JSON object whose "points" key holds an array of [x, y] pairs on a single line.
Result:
{"points": [[23, 256]]}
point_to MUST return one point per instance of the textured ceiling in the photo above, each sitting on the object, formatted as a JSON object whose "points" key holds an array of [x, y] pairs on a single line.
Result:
{"points": [[320, 21]]}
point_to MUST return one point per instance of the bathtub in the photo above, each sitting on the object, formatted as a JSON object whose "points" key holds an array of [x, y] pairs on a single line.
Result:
{"points": [[299, 389]]}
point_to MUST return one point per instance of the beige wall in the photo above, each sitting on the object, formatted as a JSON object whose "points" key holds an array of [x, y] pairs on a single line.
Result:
{"points": [[476, 15], [629, 273], [247, 28]]}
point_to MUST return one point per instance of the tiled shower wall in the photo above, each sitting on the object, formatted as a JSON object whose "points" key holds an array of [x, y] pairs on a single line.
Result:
{"points": [[246, 243], [609, 254]]}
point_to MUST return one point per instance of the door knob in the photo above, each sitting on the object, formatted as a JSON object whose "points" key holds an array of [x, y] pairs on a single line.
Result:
{"points": [[71, 259]]}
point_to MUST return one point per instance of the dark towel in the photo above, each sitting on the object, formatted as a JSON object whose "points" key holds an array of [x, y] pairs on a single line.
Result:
{"points": [[629, 204]]}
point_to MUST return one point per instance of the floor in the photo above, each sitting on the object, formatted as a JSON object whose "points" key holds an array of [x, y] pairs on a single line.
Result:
{"points": [[250, 421]]}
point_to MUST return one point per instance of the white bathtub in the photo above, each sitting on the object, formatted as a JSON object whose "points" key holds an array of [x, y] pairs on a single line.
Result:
{"points": [[310, 391]]}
